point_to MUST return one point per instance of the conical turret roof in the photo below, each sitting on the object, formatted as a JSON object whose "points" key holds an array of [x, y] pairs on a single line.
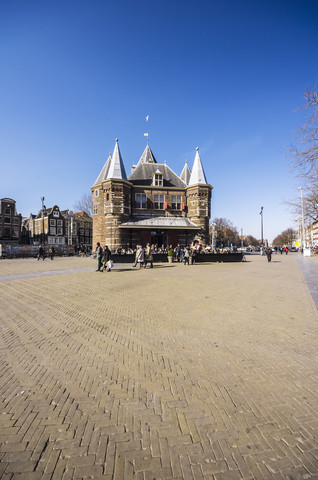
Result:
{"points": [[197, 174], [186, 173], [116, 168], [104, 172], [147, 156]]}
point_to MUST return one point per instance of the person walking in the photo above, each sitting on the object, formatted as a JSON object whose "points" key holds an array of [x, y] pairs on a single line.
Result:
{"points": [[136, 258], [99, 256], [41, 253], [106, 259], [148, 255], [177, 252], [268, 252], [186, 256], [140, 256], [194, 254], [51, 252]]}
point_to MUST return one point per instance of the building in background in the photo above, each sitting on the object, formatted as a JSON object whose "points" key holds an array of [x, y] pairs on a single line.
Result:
{"points": [[79, 229], [153, 204], [10, 222], [52, 226]]}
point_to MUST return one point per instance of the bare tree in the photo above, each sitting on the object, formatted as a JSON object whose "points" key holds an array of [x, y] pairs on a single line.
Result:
{"points": [[225, 233], [85, 204], [251, 241], [287, 237], [305, 156], [310, 197]]}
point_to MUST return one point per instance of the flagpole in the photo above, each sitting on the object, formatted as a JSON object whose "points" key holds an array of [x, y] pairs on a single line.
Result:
{"points": [[147, 118]]}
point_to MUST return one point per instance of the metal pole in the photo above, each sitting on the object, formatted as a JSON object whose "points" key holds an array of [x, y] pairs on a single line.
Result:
{"points": [[302, 217], [261, 214], [72, 229], [43, 239], [213, 225]]}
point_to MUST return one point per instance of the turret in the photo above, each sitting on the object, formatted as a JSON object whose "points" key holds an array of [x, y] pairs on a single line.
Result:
{"points": [[199, 197], [112, 201]]}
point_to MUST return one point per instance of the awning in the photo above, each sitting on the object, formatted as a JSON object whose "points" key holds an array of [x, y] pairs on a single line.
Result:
{"points": [[172, 223]]}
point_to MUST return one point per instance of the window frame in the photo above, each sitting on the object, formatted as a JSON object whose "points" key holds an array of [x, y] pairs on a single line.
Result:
{"points": [[176, 204], [157, 180], [159, 203], [141, 203]]}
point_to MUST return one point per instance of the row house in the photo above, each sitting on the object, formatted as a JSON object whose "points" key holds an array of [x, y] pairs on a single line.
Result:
{"points": [[51, 226], [10, 222], [314, 234], [153, 204]]}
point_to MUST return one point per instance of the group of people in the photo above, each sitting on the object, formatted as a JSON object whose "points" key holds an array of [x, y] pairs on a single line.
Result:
{"points": [[41, 253], [82, 250], [144, 256], [104, 261], [186, 255]]}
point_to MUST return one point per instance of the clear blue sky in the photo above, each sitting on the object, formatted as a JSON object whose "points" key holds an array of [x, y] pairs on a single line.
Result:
{"points": [[225, 76]]}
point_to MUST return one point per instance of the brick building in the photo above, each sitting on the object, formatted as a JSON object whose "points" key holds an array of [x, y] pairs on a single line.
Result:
{"points": [[10, 222], [153, 204], [79, 228], [51, 226]]}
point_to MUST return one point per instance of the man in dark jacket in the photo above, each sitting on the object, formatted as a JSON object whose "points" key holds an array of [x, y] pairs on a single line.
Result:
{"points": [[99, 256], [268, 252]]}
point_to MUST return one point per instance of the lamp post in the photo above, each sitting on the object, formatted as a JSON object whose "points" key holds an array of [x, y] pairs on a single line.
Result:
{"points": [[213, 226], [42, 236], [302, 217], [261, 214], [70, 227]]}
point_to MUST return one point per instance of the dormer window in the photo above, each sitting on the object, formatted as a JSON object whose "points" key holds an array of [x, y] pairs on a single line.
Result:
{"points": [[157, 179]]}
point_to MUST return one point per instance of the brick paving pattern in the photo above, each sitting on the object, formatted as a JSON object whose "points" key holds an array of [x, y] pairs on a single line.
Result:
{"points": [[179, 372]]}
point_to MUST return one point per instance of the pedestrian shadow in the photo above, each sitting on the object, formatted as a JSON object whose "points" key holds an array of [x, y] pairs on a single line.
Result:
{"points": [[130, 269]]}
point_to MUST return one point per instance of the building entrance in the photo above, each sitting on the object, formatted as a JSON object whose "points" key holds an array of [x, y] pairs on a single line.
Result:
{"points": [[159, 238]]}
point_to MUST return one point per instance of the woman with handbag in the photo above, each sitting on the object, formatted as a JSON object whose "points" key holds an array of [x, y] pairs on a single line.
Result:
{"points": [[107, 259]]}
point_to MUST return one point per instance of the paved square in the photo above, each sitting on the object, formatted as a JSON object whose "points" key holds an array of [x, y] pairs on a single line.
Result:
{"points": [[179, 372]]}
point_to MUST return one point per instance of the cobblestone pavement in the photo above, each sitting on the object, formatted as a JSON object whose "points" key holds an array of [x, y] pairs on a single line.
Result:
{"points": [[176, 372]]}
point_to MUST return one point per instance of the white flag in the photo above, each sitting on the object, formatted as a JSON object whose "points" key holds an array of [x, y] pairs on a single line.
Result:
{"points": [[146, 134], [147, 118]]}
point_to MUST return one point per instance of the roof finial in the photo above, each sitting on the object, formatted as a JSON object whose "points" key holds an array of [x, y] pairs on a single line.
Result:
{"points": [[116, 140], [197, 149]]}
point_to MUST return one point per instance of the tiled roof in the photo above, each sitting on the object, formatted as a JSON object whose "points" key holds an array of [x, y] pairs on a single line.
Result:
{"points": [[143, 175], [197, 173], [116, 167], [147, 156], [186, 173], [103, 174]]}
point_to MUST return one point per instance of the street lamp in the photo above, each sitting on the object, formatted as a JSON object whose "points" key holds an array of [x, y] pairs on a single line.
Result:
{"points": [[213, 226], [261, 214], [42, 236], [70, 227], [302, 217]]}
